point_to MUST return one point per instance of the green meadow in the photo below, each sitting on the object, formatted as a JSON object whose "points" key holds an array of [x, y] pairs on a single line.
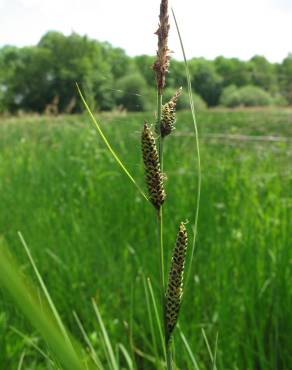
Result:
{"points": [[92, 235]]}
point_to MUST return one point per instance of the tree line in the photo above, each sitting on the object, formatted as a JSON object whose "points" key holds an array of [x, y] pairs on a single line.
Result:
{"points": [[42, 78]]}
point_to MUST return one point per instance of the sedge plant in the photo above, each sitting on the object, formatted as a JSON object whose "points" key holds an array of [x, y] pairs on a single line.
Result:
{"points": [[152, 153], [44, 316], [153, 162]]}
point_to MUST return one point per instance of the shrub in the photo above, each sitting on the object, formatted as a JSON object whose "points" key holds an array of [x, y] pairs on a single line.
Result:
{"points": [[206, 81], [230, 96], [280, 100], [248, 96]]}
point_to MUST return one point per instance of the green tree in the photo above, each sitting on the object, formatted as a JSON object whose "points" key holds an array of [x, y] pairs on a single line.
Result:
{"points": [[31, 78], [25, 77], [144, 65], [79, 59], [233, 71], [263, 74], [177, 76], [285, 78], [133, 93], [8, 58], [120, 63], [205, 80]]}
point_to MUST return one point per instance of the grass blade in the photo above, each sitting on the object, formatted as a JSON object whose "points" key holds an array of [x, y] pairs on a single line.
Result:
{"points": [[19, 366], [111, 150], [105, 337], [88, 342], [197, 147], [126, 356], [25, 296], [158, 321], [44, 289], [208, 346], [151, 324], [188, 348], [31, 343], [215, 353]]}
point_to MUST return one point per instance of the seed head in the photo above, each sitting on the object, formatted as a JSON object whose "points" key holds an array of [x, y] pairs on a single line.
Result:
{"points": [[168, 116], [153, 175], [174, 288], [163, 53]]}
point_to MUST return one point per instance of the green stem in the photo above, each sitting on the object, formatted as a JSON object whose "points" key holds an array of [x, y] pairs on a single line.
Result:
{"points": [[168, 358], [160, 233], [197, 147], [162, 250], [160, 215]]}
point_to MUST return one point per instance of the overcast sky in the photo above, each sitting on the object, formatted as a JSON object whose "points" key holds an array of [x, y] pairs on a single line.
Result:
{"points": [[233, 28]]}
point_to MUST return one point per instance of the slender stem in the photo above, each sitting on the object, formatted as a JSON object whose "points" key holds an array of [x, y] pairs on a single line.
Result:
{"points": [[168, 358], [197, 147], [160, 226], [159, 106], [160, 215], [162, 249]]}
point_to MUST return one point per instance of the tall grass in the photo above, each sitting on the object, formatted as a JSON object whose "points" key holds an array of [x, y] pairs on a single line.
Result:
{"points": [[73, 208], [171, 296], [57, 172], [42, 314], [154, 176]]}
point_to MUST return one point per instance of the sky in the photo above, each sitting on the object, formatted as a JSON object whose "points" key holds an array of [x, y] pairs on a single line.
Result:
{"points": [[232, 28]]}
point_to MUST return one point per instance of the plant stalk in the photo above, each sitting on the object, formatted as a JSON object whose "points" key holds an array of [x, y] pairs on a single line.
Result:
{"points": [[197, 148], [160, 214], [160, 233], [168, 357]]}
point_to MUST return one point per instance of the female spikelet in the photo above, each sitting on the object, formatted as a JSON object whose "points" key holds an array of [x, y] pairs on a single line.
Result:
{"points": [[174, 289], [168, 116], [154, 178]]}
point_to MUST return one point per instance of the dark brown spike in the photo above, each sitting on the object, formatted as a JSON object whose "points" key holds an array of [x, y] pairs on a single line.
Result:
{"points": [[174, 288], [153, 175]]}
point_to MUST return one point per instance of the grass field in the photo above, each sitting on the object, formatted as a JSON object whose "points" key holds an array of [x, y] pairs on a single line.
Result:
{"points": [[92, 235]]}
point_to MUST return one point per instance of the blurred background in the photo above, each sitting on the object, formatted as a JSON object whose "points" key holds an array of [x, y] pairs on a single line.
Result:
{"points": [[90, 232], [238, 51]]}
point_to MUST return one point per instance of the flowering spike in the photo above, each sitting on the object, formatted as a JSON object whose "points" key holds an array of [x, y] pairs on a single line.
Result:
{"points": [[154, 177], [163, 53], [174, 288], [168, 116]]}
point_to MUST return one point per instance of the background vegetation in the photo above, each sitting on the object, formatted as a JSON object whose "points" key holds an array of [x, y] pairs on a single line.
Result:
{"points": [[92, 235], [41, 78]]}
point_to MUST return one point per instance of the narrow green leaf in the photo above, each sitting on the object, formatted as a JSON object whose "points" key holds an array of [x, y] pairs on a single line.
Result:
{"points": [[105, 337], [19, 366], [126, 356], [157, 316], [31, 343], [151, 324], [94, 355], [26, 297], [44, 289], [208, 345], [188, 348], [197, 147], [110, 148]]}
